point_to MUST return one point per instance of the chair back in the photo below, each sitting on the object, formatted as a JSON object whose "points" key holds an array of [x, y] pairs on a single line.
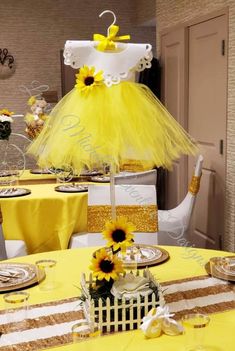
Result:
{"points": [[3, 254], [144, 178], [136, 202], [177, 220]]}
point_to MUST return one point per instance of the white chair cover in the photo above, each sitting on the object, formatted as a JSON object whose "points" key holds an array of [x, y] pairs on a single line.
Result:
{"points": [[144, 178], [174, 223], [125, 195], [10, 248]]}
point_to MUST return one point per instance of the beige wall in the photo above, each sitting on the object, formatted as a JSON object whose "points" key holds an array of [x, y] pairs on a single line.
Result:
{"points": [[145, 11], [34, 31], [170, 13]]}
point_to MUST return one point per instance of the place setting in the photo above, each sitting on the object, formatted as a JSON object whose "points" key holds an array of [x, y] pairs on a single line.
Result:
{"points": [[13, 192], [222, 268], [72, 188], [14, 276]]}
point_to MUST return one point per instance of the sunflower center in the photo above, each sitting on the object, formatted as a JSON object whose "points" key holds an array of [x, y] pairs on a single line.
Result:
{"points": [[106, 266], [118, 235], [89, 80]]}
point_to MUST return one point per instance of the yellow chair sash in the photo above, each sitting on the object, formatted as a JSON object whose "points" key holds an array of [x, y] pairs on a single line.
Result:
{"points": [[195, 185], [144, 217]]}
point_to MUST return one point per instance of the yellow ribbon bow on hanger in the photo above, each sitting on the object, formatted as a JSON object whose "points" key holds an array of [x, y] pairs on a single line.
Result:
{"points": [[108, 43]]}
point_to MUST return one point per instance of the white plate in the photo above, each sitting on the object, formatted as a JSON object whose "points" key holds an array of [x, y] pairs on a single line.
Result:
{"points": [[72, 188], [15, 274], [13, 192], [100, 179]]}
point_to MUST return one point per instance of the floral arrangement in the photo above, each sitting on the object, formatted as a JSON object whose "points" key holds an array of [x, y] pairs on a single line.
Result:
{"points": [[129, 294], [37, 117], [112, 294], [106, 266], [5, 124], [87, 79]]}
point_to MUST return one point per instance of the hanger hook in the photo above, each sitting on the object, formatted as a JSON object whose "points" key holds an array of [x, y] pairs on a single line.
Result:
{"points": [[114, 18]]}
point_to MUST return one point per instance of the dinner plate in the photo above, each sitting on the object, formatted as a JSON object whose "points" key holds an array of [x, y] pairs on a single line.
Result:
{"points": [[18, 275], [90, 173], [72, 188], [13, 192], [226, 271], [8, 173], [147, 255], [41, 171], [101, 179]]}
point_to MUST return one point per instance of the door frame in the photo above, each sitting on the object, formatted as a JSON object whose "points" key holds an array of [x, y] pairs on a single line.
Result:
{"points": [[196, 20], [186, 25]]}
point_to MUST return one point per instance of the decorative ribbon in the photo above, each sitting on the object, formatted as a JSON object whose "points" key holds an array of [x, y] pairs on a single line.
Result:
{"points": [[159, 320], [195, 185], [108, 43], [144, 217], [135, 165]]}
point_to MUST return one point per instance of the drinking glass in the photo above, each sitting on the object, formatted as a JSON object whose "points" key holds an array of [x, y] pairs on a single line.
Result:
{"points": [[85, 331], [130, 259], [16, 306], [194, 329], [46, 266]]}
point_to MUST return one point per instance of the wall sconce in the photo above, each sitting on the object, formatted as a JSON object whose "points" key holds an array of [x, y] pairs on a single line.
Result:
{"points": [[7, 64]]}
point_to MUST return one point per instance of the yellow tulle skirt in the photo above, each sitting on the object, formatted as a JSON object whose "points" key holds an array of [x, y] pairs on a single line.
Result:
{"points": [[109, 125]]}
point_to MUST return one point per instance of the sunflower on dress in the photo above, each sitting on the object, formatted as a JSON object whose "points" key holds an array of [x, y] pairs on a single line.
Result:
{"points": [[87, 79]]}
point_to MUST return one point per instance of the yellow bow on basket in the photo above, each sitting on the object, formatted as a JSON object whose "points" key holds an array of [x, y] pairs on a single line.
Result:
{"points": [[108, 43]]}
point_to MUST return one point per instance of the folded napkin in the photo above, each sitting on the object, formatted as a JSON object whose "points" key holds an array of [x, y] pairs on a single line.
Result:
{"points": [[131, 286], [158, 321]]}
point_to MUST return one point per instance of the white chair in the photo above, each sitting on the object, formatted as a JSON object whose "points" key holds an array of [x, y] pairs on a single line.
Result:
{"points": [[173, 224], [133, 201], [10, 248], [144, 178]]}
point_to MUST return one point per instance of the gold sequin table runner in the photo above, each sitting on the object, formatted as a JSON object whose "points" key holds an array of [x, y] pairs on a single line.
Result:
{"points": [[49, 325]]}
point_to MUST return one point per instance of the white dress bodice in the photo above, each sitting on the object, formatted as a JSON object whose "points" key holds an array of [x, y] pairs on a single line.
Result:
{"points": [[116, 66]]}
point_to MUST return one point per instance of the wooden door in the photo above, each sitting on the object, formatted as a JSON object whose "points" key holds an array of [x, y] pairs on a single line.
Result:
{"points": [[207, 124], [174, 97]]}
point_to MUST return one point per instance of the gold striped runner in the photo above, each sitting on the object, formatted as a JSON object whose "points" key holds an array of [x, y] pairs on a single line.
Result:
{"points": [[201, 294]]}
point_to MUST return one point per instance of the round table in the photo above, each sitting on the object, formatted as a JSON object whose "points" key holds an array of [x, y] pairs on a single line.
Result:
{"points": [[184, 262]]}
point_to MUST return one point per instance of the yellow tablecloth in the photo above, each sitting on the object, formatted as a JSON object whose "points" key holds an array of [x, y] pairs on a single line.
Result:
{"points": [[184, 262], [29, 178], [45, 219]]}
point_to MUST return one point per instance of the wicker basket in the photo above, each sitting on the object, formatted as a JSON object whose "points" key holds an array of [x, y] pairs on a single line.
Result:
{"points": [[119, 314]]}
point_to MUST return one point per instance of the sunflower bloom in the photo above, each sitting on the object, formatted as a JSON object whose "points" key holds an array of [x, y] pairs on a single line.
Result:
{"points": [[87, 79], [6, 112], [31, 100], [119, 234], [105, 266]]}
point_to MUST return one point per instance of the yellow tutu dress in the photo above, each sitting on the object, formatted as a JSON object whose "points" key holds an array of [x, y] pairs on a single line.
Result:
{"points": [[108, 118]]}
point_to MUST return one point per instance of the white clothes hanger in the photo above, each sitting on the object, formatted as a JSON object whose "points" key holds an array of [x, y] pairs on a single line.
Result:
{"points": [[114, 19]]}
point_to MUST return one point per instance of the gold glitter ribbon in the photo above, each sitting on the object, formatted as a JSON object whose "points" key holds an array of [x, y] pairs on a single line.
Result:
{"points": [[108, 43], [134, 166], [195, 185], [144, 217]]}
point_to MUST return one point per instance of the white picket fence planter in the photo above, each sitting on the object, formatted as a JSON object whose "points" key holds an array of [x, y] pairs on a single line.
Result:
{"points": [[121, 314]]}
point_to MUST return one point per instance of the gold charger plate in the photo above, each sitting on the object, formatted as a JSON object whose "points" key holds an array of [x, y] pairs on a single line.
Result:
{"points": [[148, 255], [14, 276], [220, 273]]}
